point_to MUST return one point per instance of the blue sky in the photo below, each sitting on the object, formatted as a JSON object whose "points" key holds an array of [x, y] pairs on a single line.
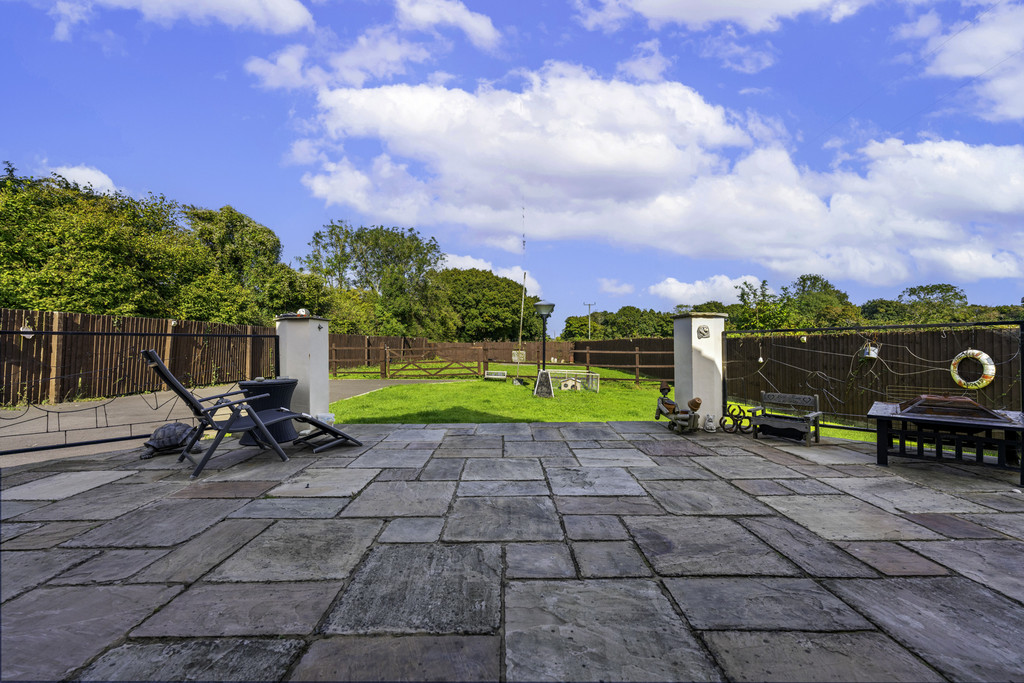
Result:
{"points": [[653, 152]]}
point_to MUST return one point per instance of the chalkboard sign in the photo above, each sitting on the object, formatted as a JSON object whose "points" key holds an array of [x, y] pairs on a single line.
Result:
{"points": [[543, 386]]}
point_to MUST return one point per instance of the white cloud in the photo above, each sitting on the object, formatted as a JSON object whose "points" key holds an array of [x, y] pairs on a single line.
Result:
{"points": [[647, 63], [87, 176], [726, 48], [268, 16], [653, 165], [753, 15], [378, 53], [720, 288], [514, 273], [424, 15], [989, 50], [66, 14], [614, 287]]}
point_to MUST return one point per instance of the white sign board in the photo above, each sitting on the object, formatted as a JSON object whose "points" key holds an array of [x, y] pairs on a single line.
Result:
{"points": [[519, 356]]}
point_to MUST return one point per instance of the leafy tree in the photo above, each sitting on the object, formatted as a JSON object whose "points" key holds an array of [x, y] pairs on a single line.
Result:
{"points": [[241, 247], [813, 301], [487, 306], [941, 303], [394, 266], [884, 312], [578, 328], [759, 309], [68, 248]]}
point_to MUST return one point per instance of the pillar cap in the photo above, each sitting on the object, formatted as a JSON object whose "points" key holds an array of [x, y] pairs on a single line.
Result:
{"points": [[296, 316], [700, 315]]}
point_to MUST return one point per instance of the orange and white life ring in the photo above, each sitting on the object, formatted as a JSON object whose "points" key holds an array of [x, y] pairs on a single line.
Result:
{"points": [[988, 369]]}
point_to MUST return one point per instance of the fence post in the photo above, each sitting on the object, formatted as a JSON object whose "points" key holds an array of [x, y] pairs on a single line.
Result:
{"points": [[588, 359], [384, 364], [57, 359], [636, 363], [168, 349], [481, 363]]}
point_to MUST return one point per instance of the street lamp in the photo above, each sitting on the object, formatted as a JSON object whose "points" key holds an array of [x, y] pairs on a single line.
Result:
{"points": [[544, 309]]}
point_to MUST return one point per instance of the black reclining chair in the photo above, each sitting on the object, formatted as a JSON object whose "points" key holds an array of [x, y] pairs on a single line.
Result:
{"points": [[254, 422]]}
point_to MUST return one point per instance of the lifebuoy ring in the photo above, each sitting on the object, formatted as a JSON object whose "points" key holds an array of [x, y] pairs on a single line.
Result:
{"points": [[988, 369]]}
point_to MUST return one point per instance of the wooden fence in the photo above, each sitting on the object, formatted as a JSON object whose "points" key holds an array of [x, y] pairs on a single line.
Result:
{"points": [[50, 357], [650, 357], [851, 370]]}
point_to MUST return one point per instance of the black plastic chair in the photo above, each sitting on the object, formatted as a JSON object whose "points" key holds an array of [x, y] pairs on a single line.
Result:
{"points": [[254, 422]]}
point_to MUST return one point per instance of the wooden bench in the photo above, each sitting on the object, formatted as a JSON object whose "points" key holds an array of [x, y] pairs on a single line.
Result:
{"points": [[496, 375], [791, 416]]}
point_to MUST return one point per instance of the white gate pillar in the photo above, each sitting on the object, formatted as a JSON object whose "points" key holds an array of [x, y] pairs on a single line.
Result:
{"points": [[304, 343], [699, 346]]}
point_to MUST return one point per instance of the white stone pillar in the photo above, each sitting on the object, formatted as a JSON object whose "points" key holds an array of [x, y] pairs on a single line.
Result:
{"points": [[699, 356], [304, 343]]}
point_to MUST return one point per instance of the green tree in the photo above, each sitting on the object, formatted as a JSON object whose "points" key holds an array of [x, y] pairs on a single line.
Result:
{"points": [[940, 303], [759, 309], [395, 267], [487, 306], [884, 312], [813, 301], [68, 248], [241, 248]]}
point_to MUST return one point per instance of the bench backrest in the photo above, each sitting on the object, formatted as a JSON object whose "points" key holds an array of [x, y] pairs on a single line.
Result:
{"points": [[795, 402]]}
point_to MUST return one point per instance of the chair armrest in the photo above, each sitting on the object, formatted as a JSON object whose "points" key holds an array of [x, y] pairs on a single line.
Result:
{"points": [[213, 398], [756, 411], [814, 416], [217, 406]]}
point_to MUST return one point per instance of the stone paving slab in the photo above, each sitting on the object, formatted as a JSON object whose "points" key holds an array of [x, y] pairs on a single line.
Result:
{"points": [[49, 632], [493, 469], [593, 481], [189, 561], [611, 457], [769, 604], [379, 458], [996, 564], [811, 553], [609, 559], [539, 561], [704, 498], [746, 467], [412, 530], [301, 550], [624, 630], [782, 656], [422, 588], [503, 488], [325, 482], [408, 658], [951, 618], [27, 569], [893, 559], [101, 503], [402, 499], [164, 523], [848, 519], [285, 508], [594, 528], [503, 519], [1009, 524], [223, 659], [109, 566], [48, 535], [896, 495], [242, 609], [63, 485], [705, 545]]}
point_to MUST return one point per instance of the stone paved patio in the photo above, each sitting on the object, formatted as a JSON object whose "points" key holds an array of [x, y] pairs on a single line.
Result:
{"points": [[518, 552]]}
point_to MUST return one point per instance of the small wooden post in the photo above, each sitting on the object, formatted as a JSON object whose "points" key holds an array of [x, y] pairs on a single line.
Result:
{"points": [[481, 363], [588, 359], [57, 359], [384, 364], [636, 362]]}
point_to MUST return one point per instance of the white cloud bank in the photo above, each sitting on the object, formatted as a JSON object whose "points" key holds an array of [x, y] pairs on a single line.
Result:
{"points": [[753, 15], [267, 16], [655, 165], [720, 288]]}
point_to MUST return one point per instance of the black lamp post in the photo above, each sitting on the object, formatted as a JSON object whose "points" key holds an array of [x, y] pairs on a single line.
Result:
{"points": [[544, 309]]}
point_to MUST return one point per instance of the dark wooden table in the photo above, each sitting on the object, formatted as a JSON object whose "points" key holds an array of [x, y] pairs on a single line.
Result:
{"points": [[941, 438], [280, 396]]}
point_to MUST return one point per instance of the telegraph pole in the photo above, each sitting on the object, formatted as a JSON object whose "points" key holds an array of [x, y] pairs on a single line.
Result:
{"points": [[588, 318]]}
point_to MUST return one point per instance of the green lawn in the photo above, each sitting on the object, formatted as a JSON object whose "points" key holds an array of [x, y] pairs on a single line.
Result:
{"points": [[482, 401]]}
